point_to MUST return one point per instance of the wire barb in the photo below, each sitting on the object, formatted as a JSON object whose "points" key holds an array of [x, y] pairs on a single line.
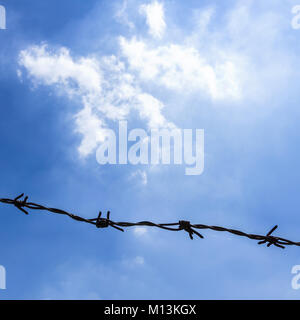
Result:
{"points": [[101, 223], [20, 203], [271, 239], [186, 225], [104, 223]]}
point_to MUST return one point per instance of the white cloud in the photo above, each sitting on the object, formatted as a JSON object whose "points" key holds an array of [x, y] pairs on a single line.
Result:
{"points": [[203, 18], [19, 75], [182, 68], [141, 175], [91, 128], [155, 18], [122, 16], [253, 40], [59, 68], [222, 64], [140, 231], [106, 90]]}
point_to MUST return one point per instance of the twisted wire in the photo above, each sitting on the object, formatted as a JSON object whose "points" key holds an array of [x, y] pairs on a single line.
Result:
{"points": [[22, 204]]}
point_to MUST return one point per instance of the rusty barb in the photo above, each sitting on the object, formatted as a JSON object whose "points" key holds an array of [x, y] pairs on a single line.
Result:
{"points": [[21, 203]]}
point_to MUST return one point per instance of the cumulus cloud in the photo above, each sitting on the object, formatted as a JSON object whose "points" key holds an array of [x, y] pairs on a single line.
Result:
{"points": [[59, 68], [247, 41], [222, 64], [155, 18], [106, 90], [181, 68]]}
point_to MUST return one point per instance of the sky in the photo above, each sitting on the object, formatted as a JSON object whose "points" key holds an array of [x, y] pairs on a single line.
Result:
{"points": [[71, 69]]}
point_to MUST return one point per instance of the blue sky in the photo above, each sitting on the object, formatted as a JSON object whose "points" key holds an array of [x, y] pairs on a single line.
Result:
{"points": [[70, 68]]}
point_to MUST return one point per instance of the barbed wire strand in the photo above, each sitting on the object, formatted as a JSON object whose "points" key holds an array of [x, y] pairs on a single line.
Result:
{"points": [[21, 203]]}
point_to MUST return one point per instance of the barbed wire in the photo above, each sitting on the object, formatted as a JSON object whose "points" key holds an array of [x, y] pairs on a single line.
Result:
{"points": [[21, 203]]}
